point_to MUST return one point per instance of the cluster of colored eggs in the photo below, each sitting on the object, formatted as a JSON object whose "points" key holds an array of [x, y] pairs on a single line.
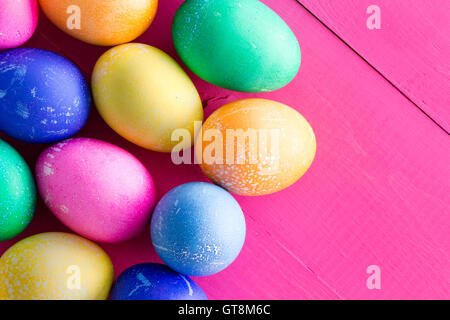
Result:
{"points": [[103, 192]]}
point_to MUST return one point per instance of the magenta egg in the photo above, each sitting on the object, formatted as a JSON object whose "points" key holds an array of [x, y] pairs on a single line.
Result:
{"points": [[18, 21], [97, 189]]}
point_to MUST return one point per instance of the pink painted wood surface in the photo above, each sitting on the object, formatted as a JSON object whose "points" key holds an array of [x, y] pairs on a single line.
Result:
{"points": [[377, 193], [412, 48]]}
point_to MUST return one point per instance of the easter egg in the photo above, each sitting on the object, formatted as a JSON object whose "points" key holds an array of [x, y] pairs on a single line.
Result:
{"points": [[238, 45], [98, 190], [153, 281], [255, 147], [44, 97], [18, 21], [198, 229], [145, 96], [55, 266], [17, 193], [101, 22]]}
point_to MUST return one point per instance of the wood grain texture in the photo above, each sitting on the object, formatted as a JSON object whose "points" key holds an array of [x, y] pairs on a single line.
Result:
{"points": [[412, 48], [377, 193]]}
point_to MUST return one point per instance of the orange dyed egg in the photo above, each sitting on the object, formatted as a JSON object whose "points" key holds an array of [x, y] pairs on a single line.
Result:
{"points": [[255, 147], [101, 22]]}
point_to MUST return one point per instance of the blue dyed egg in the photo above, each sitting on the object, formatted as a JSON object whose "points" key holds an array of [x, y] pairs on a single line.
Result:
{"points": [[153, 281], [198, 229], [44, 97]]}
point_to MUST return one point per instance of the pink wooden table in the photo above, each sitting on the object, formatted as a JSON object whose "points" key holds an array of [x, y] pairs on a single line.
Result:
{"points": [[378, 192]]}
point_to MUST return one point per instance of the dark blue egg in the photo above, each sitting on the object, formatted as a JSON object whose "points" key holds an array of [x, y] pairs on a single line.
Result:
{"points": [[44, 97], [198, 229], [153, 281]]}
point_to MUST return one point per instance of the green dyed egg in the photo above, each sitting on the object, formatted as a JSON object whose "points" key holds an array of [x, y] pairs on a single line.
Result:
{"points": [[240, 45], [17, 193]]}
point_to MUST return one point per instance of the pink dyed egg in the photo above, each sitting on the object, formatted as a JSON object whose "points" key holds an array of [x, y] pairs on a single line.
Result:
{"points": [[18, 21], [98, 190]]}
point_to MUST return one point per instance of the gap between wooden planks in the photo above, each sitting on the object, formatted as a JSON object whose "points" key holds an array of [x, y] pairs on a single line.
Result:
{"points": [[411, 50]]}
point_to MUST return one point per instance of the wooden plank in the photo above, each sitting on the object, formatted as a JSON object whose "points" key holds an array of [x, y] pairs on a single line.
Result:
{"points": [[377, 194], [411, 49]]}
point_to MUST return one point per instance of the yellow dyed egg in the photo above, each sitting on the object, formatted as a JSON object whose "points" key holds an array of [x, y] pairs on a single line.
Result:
{"points": [[101, 22], [55, 266], [255, 147], [145, 96]]}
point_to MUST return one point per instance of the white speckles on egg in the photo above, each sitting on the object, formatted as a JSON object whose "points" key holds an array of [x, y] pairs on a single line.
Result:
{"points": [[76, 102], [286, 154], [47, 169], [22, 110], [189, 240], [36, 268], [191, 292], [48, 199], [173, 104], [42, 86], [98, 190]]}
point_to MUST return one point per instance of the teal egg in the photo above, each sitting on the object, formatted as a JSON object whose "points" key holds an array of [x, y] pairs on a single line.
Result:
{"points": [[17, 193], [238, 45]]}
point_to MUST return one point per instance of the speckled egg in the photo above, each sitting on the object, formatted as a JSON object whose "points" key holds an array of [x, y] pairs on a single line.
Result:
{"points": [[18, 21], [198, 229], [239, 45], [55, 266], [145, 96], [153, 281], [101, 22], [17, 193], [44, 97], [255, 147], [98, 190]]}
